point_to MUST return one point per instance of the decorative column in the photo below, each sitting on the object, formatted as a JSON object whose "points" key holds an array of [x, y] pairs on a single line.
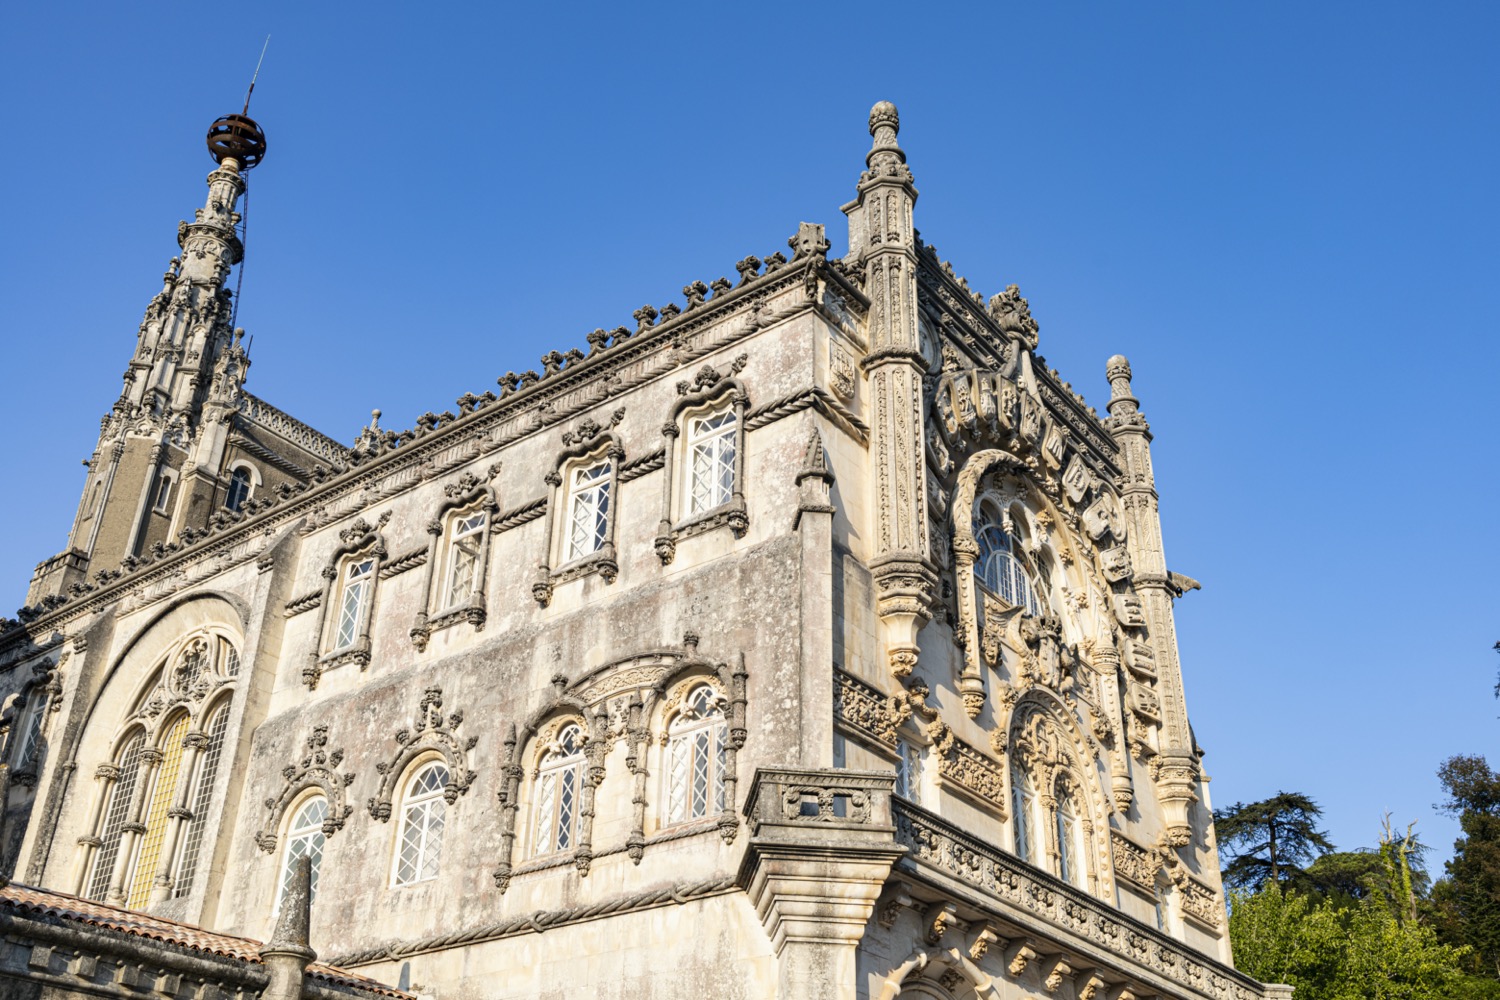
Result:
{"points": [[1175, 770], [133, 830], [105, 776], [181, 813], [882, 238]]}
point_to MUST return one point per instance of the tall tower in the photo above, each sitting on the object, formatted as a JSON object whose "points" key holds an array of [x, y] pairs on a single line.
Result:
{"points": [[156, 460]]}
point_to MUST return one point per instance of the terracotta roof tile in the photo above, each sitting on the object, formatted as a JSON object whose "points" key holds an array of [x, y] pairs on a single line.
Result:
{"points": [[45, 902]]}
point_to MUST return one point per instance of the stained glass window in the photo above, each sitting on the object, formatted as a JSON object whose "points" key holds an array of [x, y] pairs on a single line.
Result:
{"points": [[159, 801]]}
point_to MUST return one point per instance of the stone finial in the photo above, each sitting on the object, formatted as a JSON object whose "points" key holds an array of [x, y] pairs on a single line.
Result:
{"points": [[809, 241], [884, 116], [1121, 402]]}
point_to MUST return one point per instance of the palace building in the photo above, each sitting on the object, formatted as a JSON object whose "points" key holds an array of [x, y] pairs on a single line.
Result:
{"points": [[808, 637]]}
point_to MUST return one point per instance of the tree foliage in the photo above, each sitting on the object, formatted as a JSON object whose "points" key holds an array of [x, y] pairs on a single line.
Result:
{"points": [[1467, 901], [1332, 952], [1270, 842]]}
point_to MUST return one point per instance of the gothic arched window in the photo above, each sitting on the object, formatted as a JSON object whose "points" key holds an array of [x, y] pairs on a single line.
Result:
{"points": [[157, 805], [304, 838], [695, 758], [1023, 806], [423, 810], [1070, 847], [1003, 567], [239, 489], [201, 797], [559, 789], [122, 789]]}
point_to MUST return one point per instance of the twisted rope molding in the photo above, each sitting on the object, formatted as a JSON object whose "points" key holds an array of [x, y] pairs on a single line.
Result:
{"points": [[539, 921], [814, 397]]}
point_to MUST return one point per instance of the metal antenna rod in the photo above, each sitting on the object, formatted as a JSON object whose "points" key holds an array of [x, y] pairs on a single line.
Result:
{"points": [[255, 75]]}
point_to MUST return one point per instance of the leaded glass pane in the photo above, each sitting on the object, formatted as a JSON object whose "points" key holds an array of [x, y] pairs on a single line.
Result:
{"points": [[305, 838], [463, 558], [351, 607], [208, 769], [588, 521], [33, 738], [1023, 800], [422, 826], [696, 758], [711, 472], [114, 818], [163, 792]]}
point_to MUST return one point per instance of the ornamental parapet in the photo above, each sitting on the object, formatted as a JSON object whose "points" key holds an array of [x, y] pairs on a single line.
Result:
{"points": [[1026, 904]]}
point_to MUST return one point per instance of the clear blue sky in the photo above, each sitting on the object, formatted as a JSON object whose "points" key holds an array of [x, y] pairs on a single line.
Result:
{"points": [[1285, 214]]}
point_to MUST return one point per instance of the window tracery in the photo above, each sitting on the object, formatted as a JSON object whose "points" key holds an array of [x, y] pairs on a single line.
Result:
{"points": [[559, 791], [581, 513], [696, 757], [432, 735], [155, 799]]}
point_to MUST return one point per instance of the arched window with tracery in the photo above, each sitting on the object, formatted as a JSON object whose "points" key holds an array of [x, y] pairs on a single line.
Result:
{"points": [[696, 757], [1004, 567], [201, 797], [159, 799], [125, 771], [153, 815], [1071, 863], [559, 791], [304, 838], [1023, 806], [423, 812]]}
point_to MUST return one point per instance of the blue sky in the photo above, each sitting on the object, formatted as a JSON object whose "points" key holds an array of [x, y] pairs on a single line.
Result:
{"points": [[1283, 214]]}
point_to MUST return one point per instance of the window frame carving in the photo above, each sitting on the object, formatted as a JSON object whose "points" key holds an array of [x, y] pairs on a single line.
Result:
{"points": [[709, 392], [317, 769], [677, 706], [357, 540], [588, 444], [431, 735], [581, 760], [298, 802], [628, 699], [467, 496]]}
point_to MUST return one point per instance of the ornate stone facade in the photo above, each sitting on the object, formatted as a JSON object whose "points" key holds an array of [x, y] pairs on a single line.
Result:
{"points": [[811, 637]]}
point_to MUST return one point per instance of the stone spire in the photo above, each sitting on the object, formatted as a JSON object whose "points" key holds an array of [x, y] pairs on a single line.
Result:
{"points": [[287, 955], [188, 363], [1175, 771], [882, 240]]}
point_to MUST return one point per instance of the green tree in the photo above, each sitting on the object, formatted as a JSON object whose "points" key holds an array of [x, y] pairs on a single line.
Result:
{"points": [[1270, 841], [1468, 899], [1332, 952]]}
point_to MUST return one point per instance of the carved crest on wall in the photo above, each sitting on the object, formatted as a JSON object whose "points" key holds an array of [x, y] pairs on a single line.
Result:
{"points": [[431, 732], [318, 768]]}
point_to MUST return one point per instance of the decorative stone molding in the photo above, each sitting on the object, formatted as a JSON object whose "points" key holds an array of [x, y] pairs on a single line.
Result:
{"points": [[710, 388], [468, 495], [969, 770], [588, 440], [1016, 891], [355, 540], [865, 710], [431, 732], [317, 769]]}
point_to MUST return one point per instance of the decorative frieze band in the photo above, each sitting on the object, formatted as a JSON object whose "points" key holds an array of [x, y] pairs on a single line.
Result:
{"points": [[306, 602], [862, 708]]}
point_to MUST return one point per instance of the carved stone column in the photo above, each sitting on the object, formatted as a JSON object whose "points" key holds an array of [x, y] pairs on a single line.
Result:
{"points": [[1175, 771], [821, 848], [105, 776], [178, 816], [882, 237]]}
